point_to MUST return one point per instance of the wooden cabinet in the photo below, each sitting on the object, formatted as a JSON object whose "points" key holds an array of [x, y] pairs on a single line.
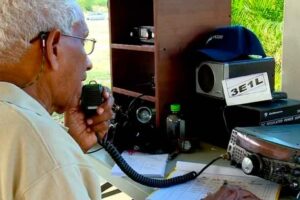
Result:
{"points": [[161, 71]]}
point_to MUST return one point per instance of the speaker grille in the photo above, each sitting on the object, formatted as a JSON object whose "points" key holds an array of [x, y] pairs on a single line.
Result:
{"points": [[206, 79]]}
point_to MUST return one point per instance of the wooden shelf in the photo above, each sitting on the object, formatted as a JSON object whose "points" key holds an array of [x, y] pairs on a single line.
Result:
{"points": [[165, 63], [133, 94], [146, 48]]}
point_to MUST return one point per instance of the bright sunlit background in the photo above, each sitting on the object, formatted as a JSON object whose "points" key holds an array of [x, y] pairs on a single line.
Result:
{"points": [[100, 57], [96, 16]]}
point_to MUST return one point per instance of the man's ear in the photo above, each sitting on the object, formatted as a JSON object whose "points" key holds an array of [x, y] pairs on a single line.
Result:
{"points": [[52, 48]]}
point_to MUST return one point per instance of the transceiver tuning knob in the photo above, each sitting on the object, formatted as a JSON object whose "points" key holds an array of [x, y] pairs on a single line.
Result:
{"points": [[251, 164]]}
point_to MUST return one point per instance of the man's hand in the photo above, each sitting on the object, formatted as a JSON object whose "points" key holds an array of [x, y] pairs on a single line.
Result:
{"points": [[229, 192], [84, 130]]}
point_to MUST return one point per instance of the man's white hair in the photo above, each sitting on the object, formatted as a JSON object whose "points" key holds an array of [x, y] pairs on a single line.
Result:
{"points": [[22, 20]]}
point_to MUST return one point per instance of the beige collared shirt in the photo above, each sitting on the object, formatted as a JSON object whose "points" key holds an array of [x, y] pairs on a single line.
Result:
{"points": [[38, 158]]}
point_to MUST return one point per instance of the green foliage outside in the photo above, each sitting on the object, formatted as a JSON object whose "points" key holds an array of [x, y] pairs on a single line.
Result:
{"points": [[265, 19], [89, 5]]}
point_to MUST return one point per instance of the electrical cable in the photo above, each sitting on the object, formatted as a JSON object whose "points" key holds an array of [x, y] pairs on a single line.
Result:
{"points": [[158, 183], [43, 37], [225, 120], [223, 156], [89, 152]]}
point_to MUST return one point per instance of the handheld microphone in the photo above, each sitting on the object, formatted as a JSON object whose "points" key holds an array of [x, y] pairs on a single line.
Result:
{"points": [[91, 98]]}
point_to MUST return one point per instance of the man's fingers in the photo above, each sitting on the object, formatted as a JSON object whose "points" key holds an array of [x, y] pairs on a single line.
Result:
{"points": [[101, 127]]}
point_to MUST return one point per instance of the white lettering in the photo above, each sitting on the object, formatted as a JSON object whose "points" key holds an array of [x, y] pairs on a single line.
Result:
{"points": [[216, 37], [275, 112]]}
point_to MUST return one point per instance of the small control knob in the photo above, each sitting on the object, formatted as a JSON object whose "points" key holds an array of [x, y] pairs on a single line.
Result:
{"points": [[294, 184], [251, 165]]}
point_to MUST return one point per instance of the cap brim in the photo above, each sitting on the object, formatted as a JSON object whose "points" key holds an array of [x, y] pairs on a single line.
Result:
{"points": [[219, 55]]}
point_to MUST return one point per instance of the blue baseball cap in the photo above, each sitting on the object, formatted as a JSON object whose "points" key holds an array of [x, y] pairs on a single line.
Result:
{"points": [[231, 43]]}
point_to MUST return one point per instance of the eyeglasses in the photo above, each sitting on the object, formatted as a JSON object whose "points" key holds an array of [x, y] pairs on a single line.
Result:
{"points": [[88, 44]]}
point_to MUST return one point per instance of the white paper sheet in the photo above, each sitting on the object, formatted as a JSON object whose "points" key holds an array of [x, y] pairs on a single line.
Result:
{"points": [[247, 89], [151, 165]]}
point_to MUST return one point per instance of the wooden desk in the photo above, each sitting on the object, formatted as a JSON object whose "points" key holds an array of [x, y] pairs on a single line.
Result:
{"points": [[104, 163]]}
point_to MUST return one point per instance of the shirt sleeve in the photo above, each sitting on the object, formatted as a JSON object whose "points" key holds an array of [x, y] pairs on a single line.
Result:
{"points": [[72, 182]]}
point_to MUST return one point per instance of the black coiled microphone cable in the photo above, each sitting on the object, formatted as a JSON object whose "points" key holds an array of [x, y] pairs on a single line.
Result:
{"points": [[158, 183]]}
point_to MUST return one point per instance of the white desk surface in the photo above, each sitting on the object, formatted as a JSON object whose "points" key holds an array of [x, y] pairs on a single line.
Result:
{"points": [[104, 163]]}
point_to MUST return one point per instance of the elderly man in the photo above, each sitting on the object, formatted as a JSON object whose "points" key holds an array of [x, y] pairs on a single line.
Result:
{"points": [[43, 61]]}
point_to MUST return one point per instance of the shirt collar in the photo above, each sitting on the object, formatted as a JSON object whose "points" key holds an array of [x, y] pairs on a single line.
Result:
{"points": [[12, 94]]}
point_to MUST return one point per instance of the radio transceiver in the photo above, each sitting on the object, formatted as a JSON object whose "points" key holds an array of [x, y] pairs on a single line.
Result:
{"points": [[270, 152], [143, 34]]}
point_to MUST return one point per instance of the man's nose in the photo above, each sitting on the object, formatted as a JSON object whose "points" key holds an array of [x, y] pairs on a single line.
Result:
{"points": [[89, 64]]}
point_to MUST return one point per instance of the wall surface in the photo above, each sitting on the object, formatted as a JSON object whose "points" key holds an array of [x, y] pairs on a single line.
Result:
{"points": [[291, 49]]}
